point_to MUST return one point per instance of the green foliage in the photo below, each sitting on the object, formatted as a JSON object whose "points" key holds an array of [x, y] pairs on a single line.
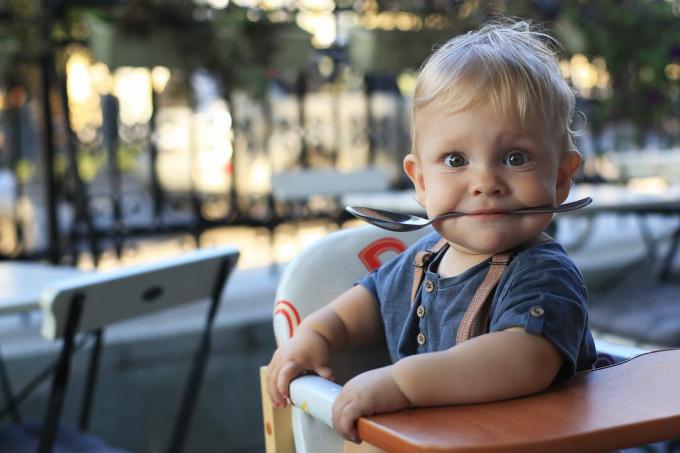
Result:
{"points": [[638, 39], [240, 51], [169, 33]]}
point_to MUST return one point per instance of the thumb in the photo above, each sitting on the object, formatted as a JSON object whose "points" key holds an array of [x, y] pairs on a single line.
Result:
{"points": [[325, 372]]}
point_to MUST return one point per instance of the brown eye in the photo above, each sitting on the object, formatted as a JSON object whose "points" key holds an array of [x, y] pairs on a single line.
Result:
{"points": [[516, 159], [455, 160]]}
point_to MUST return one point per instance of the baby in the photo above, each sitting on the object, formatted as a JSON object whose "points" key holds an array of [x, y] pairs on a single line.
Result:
{"points": [[499, 310]]}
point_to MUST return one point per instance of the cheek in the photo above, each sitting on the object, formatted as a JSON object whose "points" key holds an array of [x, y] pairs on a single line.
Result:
{"points": [[535, 223], [538, 189], [551, 176], [443, 192], [441, 181]]}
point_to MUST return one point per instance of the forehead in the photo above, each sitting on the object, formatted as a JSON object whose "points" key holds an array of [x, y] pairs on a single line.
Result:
{"points": [[477, 79], [437, 127], [470, 93], [524, 91]]}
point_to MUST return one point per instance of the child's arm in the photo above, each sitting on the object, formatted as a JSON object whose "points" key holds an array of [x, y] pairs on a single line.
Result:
{"points": [[351, 319], [495, 366], [491, 367]]}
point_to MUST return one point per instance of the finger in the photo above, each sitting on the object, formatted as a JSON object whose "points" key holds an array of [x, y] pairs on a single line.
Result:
{"points": [[325, 372], [349, 423], [345, 423], [275, 396], [336, 410], [354, 435], [272, 377], [349, 430], [287, 373]]}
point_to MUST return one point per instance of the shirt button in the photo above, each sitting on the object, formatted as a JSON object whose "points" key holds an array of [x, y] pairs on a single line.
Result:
{"points": [[420, 311], [536, 311], [429, 286], [421, 339]]}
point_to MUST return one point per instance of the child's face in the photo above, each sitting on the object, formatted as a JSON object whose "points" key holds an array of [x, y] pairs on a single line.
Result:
{"points": [[485, 163]]}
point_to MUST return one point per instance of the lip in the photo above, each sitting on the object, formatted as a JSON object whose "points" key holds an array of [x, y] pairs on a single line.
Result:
{"points": [[482, 212], [487, 214]]}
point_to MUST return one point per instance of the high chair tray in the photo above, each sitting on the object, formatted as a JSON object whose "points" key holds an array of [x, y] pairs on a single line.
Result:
{"points": [[627, 404]]}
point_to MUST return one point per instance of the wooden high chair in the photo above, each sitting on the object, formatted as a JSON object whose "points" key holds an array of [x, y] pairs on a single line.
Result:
{"points": [[633, 402]]}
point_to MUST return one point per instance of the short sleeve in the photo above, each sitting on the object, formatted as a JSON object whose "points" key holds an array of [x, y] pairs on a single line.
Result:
{"points": [[549, 299], [369, 282]]}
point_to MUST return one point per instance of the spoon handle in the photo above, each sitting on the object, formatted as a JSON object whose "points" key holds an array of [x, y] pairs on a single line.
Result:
{"points": [[578, 204]]}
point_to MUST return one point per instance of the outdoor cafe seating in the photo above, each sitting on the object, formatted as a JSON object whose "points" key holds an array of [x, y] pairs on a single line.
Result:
{"points": [[631, 402], [77, 309]]}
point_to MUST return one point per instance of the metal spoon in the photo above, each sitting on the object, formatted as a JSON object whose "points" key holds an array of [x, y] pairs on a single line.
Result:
{"points": [[397, 221]]}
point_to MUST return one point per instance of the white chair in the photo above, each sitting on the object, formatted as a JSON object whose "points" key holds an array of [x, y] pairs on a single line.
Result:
{"points": [[91, 302], [316, 276]]}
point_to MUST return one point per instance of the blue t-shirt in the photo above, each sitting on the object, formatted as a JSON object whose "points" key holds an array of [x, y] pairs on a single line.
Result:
{"points": [[541, 291]]}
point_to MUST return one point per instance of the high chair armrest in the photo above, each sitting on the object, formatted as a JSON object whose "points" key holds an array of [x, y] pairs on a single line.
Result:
{"points": [[628, 404], [315, 396]]}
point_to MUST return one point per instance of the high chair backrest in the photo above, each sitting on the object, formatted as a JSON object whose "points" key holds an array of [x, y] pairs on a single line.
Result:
{"points": [[316, 276], [329, 267]]}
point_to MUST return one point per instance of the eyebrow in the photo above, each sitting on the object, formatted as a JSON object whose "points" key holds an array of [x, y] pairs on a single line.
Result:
{"points": [[458, 143], [517, 135]]}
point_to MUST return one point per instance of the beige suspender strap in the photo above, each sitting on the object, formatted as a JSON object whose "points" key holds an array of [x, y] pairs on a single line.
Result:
{"points": [[420, 263], [472, 325], [469, 325]]}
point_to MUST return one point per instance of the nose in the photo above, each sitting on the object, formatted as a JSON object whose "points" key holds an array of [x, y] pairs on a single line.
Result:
{"points": [[487, 181]]}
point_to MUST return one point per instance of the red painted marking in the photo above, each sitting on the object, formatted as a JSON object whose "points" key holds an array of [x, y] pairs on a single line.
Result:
{"points": [[291, 307], [291, 328], [370, 254]]}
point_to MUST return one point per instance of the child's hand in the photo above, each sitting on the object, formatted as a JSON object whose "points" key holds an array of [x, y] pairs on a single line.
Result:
{"points": [[307, 350], [372, 392]]}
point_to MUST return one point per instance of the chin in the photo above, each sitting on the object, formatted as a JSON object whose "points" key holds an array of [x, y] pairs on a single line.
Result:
{"points": [[489, 238], [486, 242], [490, 246]]}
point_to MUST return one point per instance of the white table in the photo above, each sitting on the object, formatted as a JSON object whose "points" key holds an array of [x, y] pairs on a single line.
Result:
{"points": [[22, 283], [621, 199]]}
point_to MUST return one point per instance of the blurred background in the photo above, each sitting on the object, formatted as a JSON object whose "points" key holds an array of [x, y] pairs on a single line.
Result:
{"points": [[135, 129], [129, 118]]}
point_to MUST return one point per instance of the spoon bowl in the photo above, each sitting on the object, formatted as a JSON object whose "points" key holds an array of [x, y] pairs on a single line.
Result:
{"points": [[400, 222]]}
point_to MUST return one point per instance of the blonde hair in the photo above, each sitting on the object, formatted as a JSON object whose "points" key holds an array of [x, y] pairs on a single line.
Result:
{"points": [[509, 64]]}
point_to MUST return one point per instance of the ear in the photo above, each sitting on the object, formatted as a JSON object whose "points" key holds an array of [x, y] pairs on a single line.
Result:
{"points": [[569, 165], [415, 173]]}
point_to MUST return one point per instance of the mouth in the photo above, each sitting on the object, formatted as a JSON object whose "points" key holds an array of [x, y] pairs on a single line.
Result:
{"points": [[488, 212]]}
